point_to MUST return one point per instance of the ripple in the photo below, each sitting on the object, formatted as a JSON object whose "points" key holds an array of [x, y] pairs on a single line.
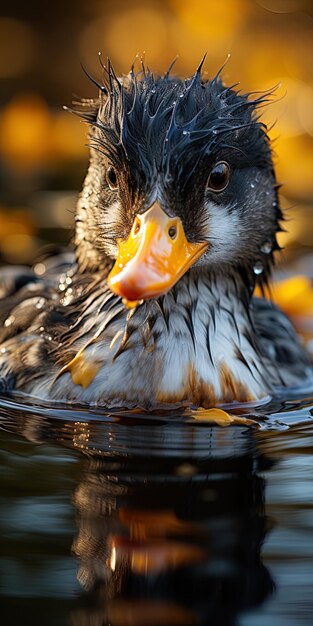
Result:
{"points": [[127, 434]]}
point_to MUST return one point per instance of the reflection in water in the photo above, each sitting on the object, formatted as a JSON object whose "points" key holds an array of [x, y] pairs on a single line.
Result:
{"points": [[170, 549], [170, 520]]}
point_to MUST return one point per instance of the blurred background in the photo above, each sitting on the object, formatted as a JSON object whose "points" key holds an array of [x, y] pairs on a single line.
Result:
{"points": [[43, 156]]}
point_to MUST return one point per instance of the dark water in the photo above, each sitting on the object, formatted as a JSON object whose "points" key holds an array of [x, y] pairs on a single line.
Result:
{"points": [[126, 520]]}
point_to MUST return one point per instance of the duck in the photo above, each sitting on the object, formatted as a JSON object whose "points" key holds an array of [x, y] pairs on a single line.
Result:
{"points": [[176, 225]]}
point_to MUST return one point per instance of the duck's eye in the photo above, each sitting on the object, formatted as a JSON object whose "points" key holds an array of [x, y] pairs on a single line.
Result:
{"points": [[219, 176], [112, 178]]}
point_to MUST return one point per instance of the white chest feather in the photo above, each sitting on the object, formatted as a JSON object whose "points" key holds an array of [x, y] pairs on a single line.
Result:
{"points": [[191, 348]]}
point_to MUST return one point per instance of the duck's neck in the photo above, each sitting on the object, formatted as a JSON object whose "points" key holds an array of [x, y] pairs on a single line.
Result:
{"points": [[204, 334], [211, 298], [214, 303], [88, 256]]}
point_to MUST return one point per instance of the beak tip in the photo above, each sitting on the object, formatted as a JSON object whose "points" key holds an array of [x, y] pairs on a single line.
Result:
{"points": [[123, 288]]}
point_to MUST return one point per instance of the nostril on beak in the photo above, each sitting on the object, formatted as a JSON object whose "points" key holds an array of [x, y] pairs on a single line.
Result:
{"points": [[136, 226], [172, 232]]}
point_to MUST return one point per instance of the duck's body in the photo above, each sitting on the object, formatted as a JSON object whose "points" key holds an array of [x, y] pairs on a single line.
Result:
{"points": [[201, 341], [203, 344]]}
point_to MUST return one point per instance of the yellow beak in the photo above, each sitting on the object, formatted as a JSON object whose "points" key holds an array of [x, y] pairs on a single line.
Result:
{"points": [[153, 258]]}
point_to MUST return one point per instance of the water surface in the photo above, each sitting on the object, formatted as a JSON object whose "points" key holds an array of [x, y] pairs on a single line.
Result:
{"points": [[150, 521]]}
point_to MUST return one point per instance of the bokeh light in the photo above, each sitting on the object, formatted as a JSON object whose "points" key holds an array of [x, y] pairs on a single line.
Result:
{"points": [[25, 126]]}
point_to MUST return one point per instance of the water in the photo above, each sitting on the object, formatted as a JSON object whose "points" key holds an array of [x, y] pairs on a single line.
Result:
{"points": [[148, 521]]}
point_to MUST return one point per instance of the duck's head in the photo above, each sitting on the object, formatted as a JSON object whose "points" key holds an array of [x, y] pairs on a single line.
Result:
{"points": [[181, 176]]}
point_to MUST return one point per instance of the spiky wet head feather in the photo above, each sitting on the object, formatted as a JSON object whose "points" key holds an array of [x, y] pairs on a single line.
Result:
{"points": [[167, 125]]}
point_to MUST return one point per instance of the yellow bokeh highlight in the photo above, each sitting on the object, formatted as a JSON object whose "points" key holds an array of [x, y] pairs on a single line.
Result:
{"points": [[294, 164], [214, 20], [68, 136], [24, 130], [137, 28]]}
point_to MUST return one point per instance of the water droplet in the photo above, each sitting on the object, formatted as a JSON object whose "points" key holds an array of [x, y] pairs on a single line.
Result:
{"points": [[9, 321], [181, 95], [274, 204], [68, 280], [62, 287], [214, 131], [40, 303], [153, 90], [267, 247], [185, 132], [258, 268], [39, 269], [3, 350], [252, 185]]}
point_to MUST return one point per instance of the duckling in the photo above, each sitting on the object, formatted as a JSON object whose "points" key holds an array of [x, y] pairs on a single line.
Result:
{"points": [[175, 225]]}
